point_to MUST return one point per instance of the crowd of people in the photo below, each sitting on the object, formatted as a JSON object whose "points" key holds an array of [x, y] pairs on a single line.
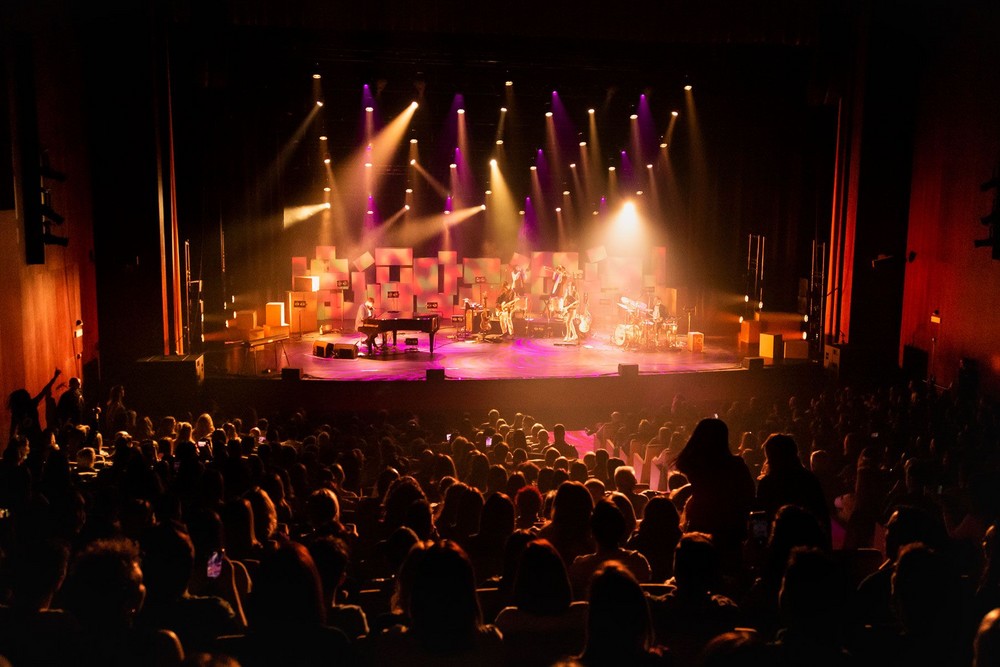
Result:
{"points": [[839, 528]]}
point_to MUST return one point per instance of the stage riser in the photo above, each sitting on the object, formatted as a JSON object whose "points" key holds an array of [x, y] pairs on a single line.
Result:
{"points": [[576, 402]]}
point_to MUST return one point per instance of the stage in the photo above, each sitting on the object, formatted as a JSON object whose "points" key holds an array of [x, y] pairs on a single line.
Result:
{"points": [[574, 384], [477, 357]]}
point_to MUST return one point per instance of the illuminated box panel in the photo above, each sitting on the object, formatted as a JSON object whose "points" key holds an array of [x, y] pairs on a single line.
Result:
{"points": [[425, 276], [393, 256], [359, 287], [338, 266], [382, 274], [540, 272], [305, 283], [396, 296], [437, 303], [300, 266], [364, 261], [317, 267], [447, 257], [302, 311], [625, 275], [591, 271], [274, 314], [598, 254], [481, 267], [330, 305], [452, 277], [326, 252], [327, 280]]}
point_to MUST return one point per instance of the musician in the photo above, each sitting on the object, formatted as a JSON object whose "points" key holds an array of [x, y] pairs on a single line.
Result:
{"points": [[659, 310], [519, 280], [560, 277], [366, 311], [505, 310], [570, 304]]}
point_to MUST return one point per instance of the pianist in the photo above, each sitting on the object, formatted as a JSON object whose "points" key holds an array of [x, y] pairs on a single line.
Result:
{"points": [[366, 311]]}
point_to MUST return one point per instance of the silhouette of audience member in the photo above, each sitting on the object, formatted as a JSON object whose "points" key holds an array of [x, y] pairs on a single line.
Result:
{"points": [[331, 556], [986, 648], [168, 563], [933, 607], [787, 482], [486, 547], [812, 600], [437, 590], [608, 527], [543, 624], [619, 629], [722, 490], [561, 445], [287, 615], [104, 592], [31, 631], [657, 537], [792, 527], [691, 613], [528, 503], [569, 529], [740, 648]]}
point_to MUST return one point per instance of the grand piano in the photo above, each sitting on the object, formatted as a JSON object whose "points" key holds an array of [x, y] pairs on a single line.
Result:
{"points": [[396, 321]]}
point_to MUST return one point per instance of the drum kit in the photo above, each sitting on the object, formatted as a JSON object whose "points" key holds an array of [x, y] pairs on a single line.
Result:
{"points": [[643, 330]]}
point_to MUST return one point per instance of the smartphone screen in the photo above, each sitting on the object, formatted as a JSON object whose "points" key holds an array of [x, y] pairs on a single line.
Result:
{"points": [[214, 570], [759, 527]]}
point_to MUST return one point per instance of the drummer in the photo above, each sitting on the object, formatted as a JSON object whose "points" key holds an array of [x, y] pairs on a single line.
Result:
{"points": [[659, 310]]}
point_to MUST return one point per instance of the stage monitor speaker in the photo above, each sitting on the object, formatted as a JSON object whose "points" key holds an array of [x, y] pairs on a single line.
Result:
{"points": [[291, 373], [186, 369], [753, 363], [628, 370], [321, 350], [345, 351], [435, 373]]}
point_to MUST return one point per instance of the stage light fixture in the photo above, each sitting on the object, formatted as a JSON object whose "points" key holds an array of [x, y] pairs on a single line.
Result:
{"points": [[317, 76], [503, 109], [413, 141], [326, 160], [558, 209], [319, 103], [482, 207], [409, 191], [572, 165], [663, 145], [499, 142], [489, 192], [565, 193], [322, 137], [548, 114], [533, 168], [741, 319], [746, 298], [406, 207], [368, 165], [326, 189], [510, 83], [687, 87], [590, 111], [634, 117], [582, 144], [453, 166], [493, 162], [649, 166], [760, 305], [675, 114], [412, 162], [611, 168], [369, 109], [461, 112]]}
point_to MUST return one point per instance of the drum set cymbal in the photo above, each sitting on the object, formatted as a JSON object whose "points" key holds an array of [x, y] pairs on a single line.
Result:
{"points": [[642, 331]]}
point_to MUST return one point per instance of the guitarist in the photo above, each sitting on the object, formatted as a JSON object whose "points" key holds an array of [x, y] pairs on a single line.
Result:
{"points": [[571, 301], [505, 310]]}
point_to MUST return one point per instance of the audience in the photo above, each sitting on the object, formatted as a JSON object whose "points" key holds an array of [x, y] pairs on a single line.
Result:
{"points": [[258, 539]]}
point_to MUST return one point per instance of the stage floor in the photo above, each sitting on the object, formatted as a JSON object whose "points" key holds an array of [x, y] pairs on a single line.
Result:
{"points": [[474, 358]]}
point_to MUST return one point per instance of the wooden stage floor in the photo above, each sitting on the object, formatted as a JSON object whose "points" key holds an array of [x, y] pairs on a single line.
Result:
{"points": [[474, 358]]}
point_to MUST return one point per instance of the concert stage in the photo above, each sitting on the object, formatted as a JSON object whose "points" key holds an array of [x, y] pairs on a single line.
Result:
{"points": [[573, 384]]}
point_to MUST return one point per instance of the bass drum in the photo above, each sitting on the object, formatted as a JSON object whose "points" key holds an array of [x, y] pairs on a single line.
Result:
{"points": [[620, 335]]}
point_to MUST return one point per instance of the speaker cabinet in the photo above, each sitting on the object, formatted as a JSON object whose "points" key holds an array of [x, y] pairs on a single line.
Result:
{"points": [[753, 363], [628, 370], [345, 351], [320, 350]]}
